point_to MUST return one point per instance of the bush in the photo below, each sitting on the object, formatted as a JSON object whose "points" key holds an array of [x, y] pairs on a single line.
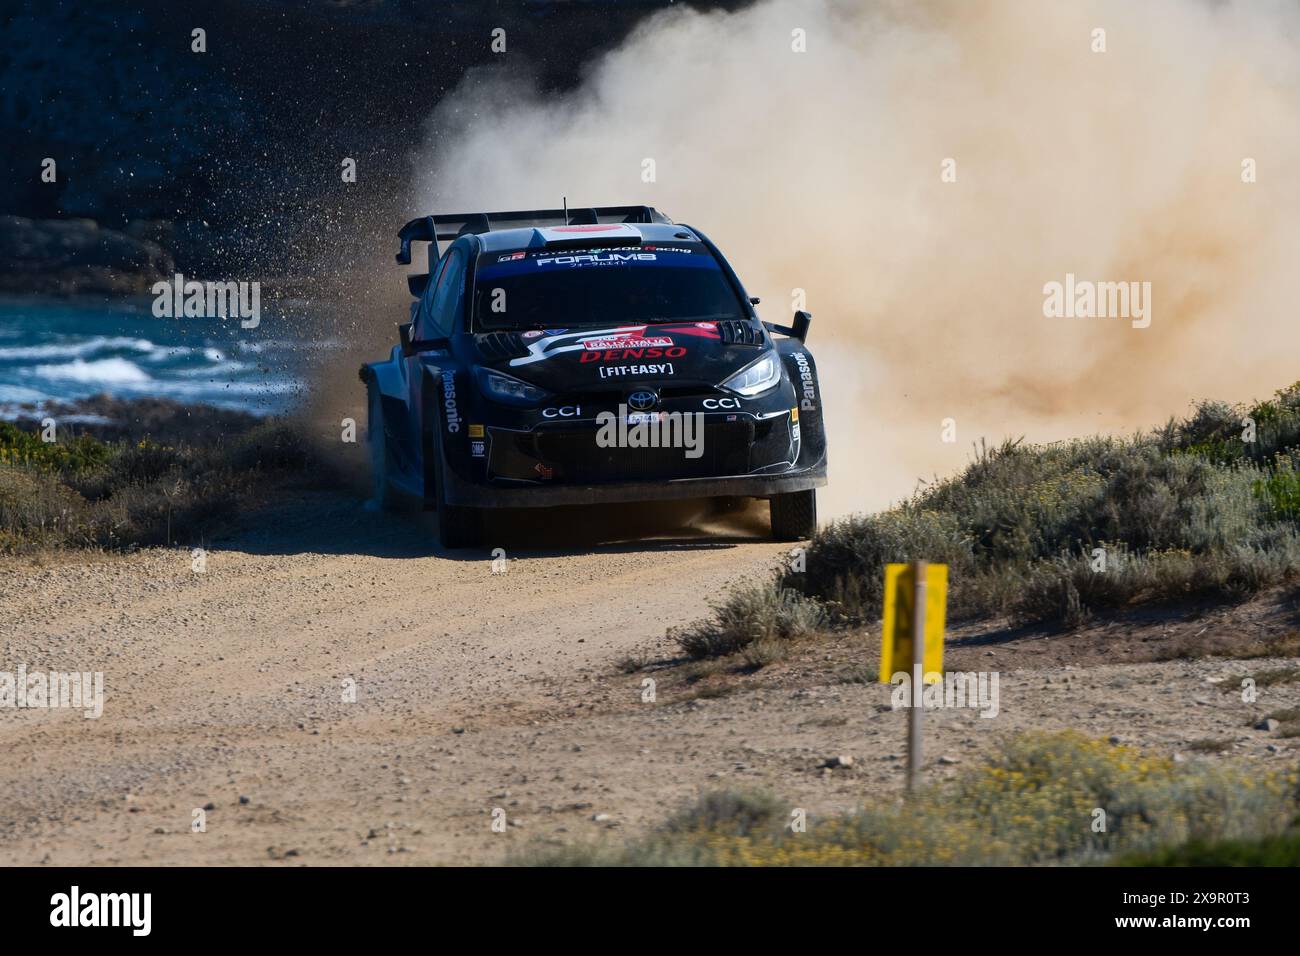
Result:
{"points": [[729, 813], [36, 509], [1281, 489], [1033, 803], [1068, 589], [1218, 431], [270, 446], [26, 449], [845, 563], [81, 491], [1189, 510], [1281, 850], [749, 615]]}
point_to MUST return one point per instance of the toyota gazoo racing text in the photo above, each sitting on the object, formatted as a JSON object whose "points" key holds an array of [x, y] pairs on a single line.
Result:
{"points": [[573, 356]]}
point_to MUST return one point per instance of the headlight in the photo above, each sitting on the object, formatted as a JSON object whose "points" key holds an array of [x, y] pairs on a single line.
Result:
{"points": [[756, 377], [505, 388]]}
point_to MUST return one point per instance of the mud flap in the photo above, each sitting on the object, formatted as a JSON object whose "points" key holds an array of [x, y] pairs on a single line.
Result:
{"points": [[802, 370]]}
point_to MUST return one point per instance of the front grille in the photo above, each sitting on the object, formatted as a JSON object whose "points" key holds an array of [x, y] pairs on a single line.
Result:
{"points": [[572, 455], [611, 398]]}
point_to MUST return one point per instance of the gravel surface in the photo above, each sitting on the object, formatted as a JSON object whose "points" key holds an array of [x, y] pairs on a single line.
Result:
{"points": [[478, 692]]}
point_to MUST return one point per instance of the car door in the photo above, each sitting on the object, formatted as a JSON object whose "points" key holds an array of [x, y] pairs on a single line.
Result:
{"points": [[435, 321]]}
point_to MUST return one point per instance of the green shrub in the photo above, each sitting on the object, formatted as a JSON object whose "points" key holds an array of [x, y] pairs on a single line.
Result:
{"points": [[1068, 589], [1189, 510], [1034, 802], [26, 449], [755, 614], [1281, 489], [730, 813], [270, 446], [81, 491], [36, 509], [1282, 850], [845, 563]]}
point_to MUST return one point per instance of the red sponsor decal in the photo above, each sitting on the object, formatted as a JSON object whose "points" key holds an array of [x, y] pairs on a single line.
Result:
{"points": [[621, 355], [626, 342]]}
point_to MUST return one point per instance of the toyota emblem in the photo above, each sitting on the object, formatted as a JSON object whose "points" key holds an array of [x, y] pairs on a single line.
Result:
{"points": [[642, 401]]}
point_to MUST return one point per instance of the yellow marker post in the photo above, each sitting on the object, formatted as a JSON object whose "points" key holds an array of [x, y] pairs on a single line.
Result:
{"points": [[916, 598]]}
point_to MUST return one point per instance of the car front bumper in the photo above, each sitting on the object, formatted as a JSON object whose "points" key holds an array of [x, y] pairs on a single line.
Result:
{"points": [[466, 494]]}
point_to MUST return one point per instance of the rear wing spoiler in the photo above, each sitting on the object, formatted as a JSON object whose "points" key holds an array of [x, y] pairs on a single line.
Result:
{"points": [[450, 226]]}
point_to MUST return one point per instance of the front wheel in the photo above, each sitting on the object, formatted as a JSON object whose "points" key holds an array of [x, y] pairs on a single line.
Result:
{"points": [[794, 515], [459, 527]]}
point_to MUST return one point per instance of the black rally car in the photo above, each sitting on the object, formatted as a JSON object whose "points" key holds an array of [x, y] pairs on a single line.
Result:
{"points": [[574, 356]]}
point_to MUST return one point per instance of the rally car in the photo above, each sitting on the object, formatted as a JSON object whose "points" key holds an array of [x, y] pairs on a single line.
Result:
{"points": [[575, 356]]}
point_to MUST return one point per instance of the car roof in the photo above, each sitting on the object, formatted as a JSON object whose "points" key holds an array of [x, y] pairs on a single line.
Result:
{"points": [[502, 240]]}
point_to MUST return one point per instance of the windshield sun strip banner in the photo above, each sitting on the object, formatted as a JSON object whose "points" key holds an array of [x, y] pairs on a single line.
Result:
{"points": [[522, 262]]}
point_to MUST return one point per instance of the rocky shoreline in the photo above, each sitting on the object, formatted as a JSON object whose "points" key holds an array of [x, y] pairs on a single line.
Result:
{"points": [[78, 256], [162, 420]]}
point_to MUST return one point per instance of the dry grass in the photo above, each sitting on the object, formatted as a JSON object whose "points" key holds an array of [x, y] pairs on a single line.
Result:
{"points": [[82, 492], [1054, 534], [1033, 803]]}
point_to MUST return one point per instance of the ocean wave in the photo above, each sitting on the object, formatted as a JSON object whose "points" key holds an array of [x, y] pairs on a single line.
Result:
{"points": [[80, 349], [20, 394], [59, 354], [109, 371], [216, 370]]}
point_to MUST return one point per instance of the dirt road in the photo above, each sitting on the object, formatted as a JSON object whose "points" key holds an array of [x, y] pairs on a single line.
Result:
{"points": [[475, 691], [230, 683]]}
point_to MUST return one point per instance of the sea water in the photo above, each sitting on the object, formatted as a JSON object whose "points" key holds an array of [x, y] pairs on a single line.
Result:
{"points": [[69, 349]]}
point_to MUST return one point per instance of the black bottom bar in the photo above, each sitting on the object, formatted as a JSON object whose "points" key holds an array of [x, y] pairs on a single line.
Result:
{"points": [[334, 905]]}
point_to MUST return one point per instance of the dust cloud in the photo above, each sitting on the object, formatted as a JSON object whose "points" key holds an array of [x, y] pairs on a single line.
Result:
{"points": [[822, 171]]}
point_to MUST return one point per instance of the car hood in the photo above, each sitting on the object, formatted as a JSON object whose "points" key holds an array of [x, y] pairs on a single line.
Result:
{"points": [[569, 360]]}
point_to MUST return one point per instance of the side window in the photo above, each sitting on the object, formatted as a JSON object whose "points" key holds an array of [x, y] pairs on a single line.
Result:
{"points": [[445, 301], [423, 328]]}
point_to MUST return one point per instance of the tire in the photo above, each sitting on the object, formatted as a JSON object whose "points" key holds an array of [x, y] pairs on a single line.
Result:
{"points": [[381, 491], [794, 515], [459, 527]]}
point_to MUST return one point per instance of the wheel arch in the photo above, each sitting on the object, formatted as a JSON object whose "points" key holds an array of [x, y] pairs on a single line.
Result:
{"points": [[801, 368]]}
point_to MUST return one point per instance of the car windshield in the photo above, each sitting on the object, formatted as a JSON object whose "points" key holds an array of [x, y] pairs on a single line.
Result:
{"points": [[590, 288]]}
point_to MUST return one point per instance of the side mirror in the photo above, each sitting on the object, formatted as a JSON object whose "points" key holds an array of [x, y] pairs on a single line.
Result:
{"points": [[797, 330], [410, 347], [801, 322]]}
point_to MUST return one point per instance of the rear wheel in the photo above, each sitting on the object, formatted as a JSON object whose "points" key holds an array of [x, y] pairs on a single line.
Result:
{"points": [[794, 515], [381, 492]]}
